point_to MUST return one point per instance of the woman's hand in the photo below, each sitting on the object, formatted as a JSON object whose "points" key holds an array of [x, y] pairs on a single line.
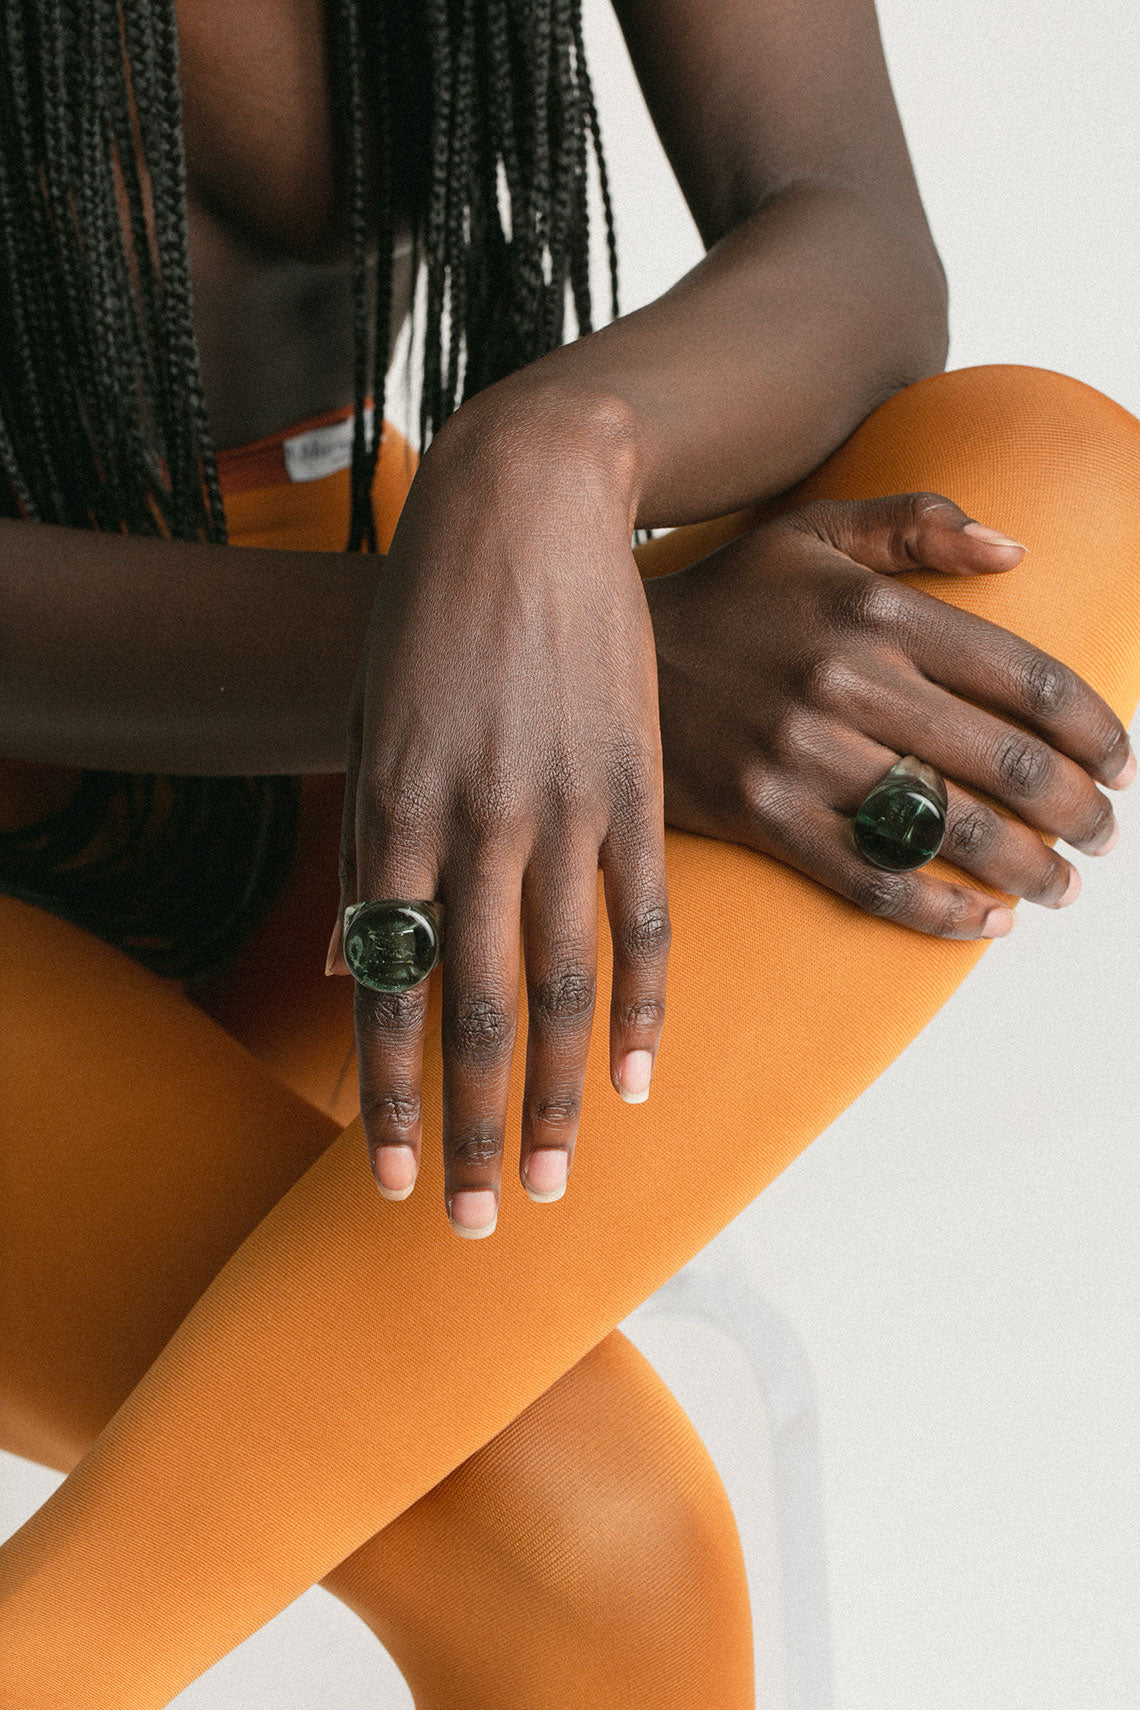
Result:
{"points": [[794, 671], [504, 743]]}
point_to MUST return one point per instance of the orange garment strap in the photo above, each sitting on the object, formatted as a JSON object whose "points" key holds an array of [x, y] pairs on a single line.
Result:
{"points": [[352, 1352]]}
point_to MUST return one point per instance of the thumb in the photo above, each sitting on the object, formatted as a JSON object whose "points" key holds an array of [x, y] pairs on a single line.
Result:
{"points": [[913, 531]]}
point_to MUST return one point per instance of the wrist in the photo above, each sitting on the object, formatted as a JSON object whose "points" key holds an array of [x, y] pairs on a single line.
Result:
{"points": [[543, 442]]}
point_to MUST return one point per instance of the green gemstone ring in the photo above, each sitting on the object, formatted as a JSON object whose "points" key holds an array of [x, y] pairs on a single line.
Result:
{"points": [[901, 823], [391, 945]]}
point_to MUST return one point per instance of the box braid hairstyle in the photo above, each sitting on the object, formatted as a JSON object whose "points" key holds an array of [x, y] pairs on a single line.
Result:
{"points": [[475, 120]]}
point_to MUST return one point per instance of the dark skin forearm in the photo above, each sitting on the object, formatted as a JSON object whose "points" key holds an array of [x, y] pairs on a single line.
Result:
{"points": [[168, 656], [822, 293], [159, 655], [751, 370]]}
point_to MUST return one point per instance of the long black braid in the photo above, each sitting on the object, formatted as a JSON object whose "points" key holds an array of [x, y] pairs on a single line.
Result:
{"points": [[472, 119]]}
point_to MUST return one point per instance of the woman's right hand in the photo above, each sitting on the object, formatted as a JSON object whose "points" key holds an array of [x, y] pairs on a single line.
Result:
{"points": [[794, 669]]}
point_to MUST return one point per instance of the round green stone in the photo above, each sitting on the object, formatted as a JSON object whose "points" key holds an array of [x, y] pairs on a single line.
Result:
{"points": [[390, 946], [899, 826]]}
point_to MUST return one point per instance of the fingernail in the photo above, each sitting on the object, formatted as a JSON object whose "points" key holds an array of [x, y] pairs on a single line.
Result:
{"points": [[991, 536], [395, 1170], [334, 947], [998, 922], [1113, 840], [473, 1212], [1072, 890], [546, 1174], [1125, 776], [634, 1074]]}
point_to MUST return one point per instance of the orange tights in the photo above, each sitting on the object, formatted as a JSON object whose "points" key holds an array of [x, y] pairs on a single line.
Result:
{"points": [[259, 1374]]}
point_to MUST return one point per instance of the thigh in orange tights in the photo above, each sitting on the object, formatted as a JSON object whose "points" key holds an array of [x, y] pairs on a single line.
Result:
{"points": [[345, 1355]]}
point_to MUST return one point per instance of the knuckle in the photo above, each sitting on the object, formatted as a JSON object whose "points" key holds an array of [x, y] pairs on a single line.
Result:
{"points": [[768, 793], [886, 895], [478, 1029], [557, 1110], [1114, 747], [403, 803], [973, 832], [923, 505], [870, 605], [493, 805], [792, 741], [1045, 686], [566, 994], [908, 515], [395, 1112], [1023, 765], [818, 518], [642, 1012], [956, 912], [1097, 820], [570, 797], [1051, 882], [477, 1150], [395, 1014], [827, 680], [646, 935]]}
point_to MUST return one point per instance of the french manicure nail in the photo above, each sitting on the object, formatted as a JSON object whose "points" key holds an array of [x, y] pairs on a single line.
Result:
{"points": [[1072, 890], [1125, 775], [395, 1170], [334, 947], [473, 1213], [634, 1074], [546, 1174], [1111, 844], [991, 536], [998, 923]]}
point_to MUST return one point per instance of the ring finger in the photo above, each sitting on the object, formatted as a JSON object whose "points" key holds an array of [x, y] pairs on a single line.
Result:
{"points": [[560, 937], [480, 1008], [990, 846]]}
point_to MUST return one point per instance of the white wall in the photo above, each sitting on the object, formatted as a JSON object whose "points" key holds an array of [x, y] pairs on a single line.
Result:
{"points": [[958, 1254]]}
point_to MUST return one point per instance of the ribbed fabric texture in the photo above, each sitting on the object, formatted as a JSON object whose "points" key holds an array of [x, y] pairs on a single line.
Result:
{"points": [[348, 1355]]}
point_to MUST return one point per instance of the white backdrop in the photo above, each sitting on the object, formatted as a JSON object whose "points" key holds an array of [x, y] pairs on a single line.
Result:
{"points": [[957, 1256]]}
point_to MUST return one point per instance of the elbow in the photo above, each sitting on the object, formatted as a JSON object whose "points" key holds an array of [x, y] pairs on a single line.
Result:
{"points": [[920, 331]]}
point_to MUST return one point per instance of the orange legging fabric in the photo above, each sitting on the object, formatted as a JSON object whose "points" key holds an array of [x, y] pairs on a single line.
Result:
{"points": [[262, 1375]]}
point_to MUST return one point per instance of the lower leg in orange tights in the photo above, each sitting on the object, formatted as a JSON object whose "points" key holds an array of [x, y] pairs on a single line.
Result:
{"points": [[586, 1554], [351, 1353]]}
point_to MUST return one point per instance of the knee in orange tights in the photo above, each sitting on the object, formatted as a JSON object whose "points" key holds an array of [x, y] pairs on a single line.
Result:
{"points": [[586, 1558]]}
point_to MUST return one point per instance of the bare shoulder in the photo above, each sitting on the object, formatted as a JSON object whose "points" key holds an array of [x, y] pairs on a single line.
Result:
{"points": [[750, 96]]}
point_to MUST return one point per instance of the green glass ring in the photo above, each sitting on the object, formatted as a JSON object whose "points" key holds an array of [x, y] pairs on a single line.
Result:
{"points": [[901, 823], [391, 945]]}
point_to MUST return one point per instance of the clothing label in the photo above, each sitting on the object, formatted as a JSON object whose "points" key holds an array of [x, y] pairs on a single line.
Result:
{"points": [[321, 451]]}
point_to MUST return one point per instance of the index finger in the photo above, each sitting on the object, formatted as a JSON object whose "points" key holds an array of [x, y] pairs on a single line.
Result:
{"points": [[996, 669], [390, 1025]]}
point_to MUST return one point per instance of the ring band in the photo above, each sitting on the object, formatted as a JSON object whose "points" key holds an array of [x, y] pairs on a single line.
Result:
{"points": [[900, 824], [392, 944]]}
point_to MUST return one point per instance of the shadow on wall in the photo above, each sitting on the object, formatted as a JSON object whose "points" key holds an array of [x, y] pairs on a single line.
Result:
{"points": [[769, 1458]]}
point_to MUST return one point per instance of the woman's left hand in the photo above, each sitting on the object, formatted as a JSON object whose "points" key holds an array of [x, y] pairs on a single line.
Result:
{"points": [[794, 669], [504, 744]]}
